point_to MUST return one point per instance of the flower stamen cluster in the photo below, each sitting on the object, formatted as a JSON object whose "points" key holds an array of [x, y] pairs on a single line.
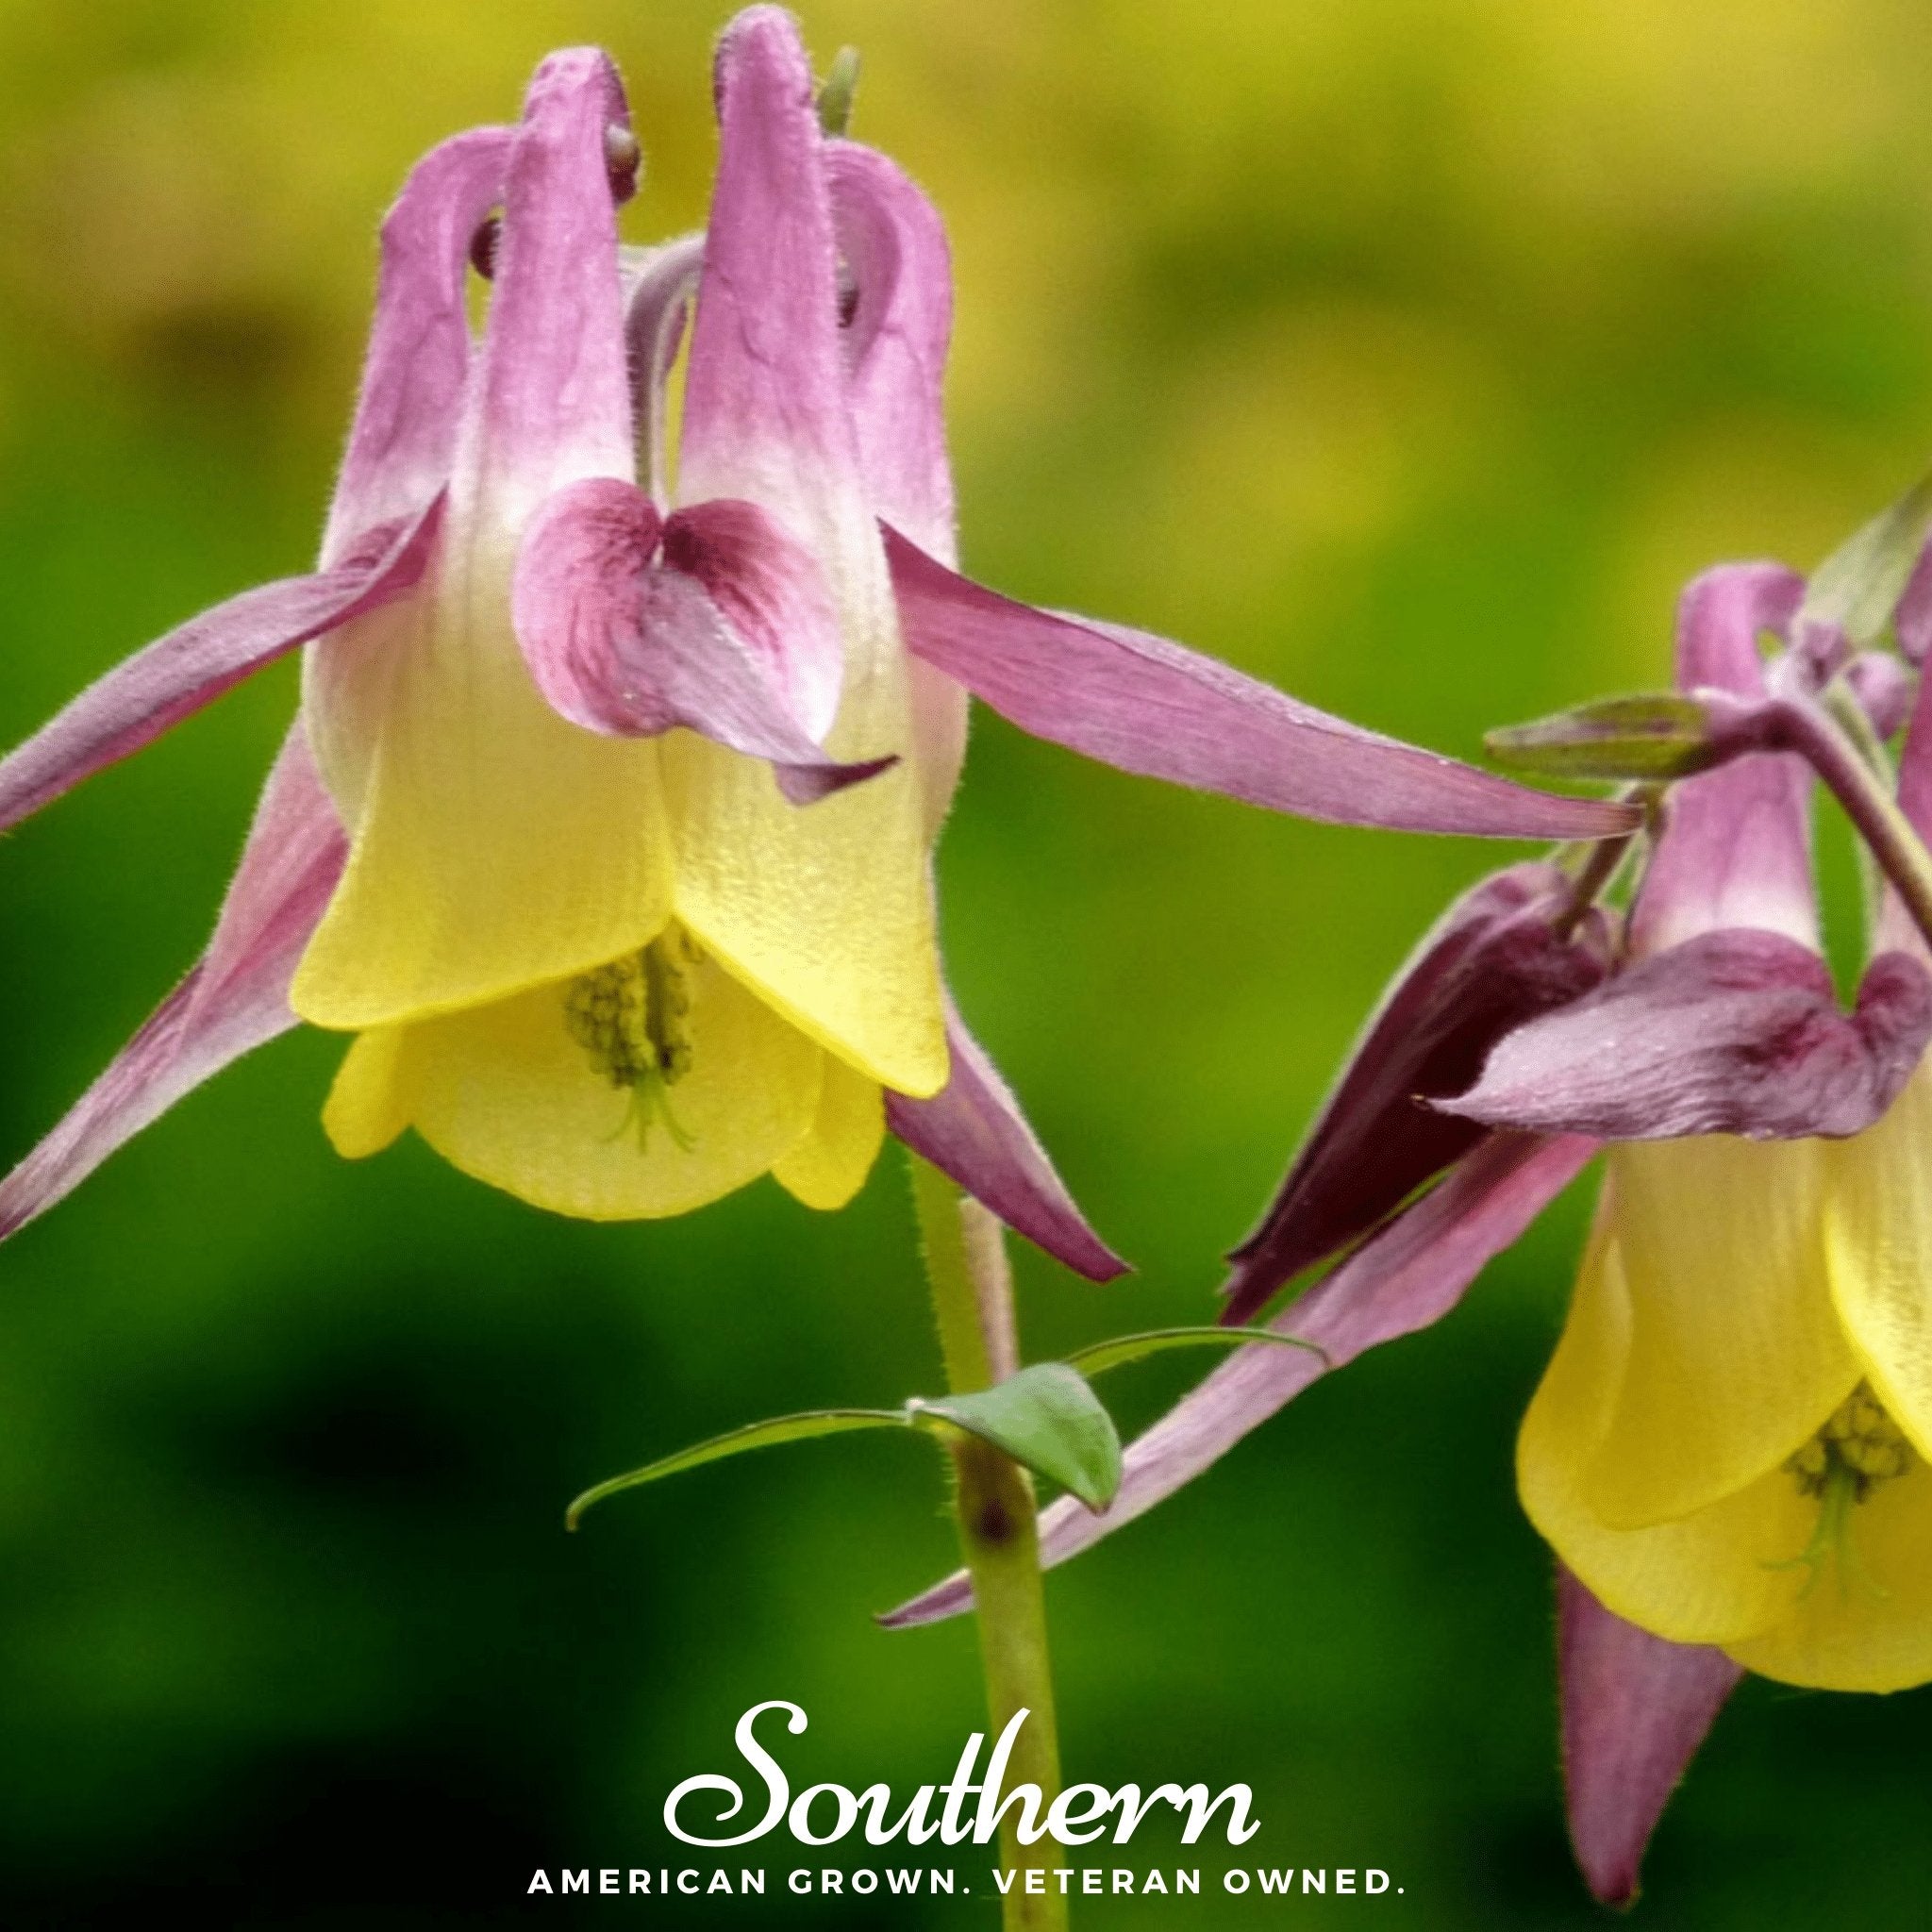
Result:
{"points": [[633, 1019], [1858, 1445]]}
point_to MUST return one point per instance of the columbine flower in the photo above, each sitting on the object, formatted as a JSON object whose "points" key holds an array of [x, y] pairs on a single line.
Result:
{"points": [[606, 827], [1728, 1451]]}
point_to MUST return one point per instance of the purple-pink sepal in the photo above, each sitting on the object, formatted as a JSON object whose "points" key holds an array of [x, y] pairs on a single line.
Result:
{"points": [[1736, 1031], [973, 1129], [403, 439], [233, 1000], [1505, 951], [193, 665], [1735, 845], [712, 618], [1635, 1709], [1145, 705]]}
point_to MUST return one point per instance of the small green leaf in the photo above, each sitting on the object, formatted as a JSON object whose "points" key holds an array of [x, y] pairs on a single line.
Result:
{"points": [[767, 1435], [840, 90], [1857, 587], [1654, 735], [1103, 1356], [1045, 1417]]}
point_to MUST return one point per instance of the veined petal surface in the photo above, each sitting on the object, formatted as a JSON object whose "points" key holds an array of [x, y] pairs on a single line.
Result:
{"points": [[894, 244], [1148, 706], [1703, 1577], [766, 417], [629, 646], [496, 845], [1736, 1031]]}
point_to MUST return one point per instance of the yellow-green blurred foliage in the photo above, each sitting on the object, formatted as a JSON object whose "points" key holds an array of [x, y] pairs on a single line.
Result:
{"points": [[1412, 353]]}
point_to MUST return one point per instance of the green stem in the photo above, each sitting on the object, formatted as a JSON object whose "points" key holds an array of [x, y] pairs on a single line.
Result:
{"points": [[999, 1536], [1841, 703], [1594, 864]]}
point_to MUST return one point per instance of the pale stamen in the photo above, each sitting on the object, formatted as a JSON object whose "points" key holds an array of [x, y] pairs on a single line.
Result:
{"points": [[1858, 1450], [633, 1019]]}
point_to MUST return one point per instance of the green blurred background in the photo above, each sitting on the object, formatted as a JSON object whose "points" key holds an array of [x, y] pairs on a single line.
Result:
{"points": [[1408, 352]]}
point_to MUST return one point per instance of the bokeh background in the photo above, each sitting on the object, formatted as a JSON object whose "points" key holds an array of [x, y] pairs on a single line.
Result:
{"points": [[1412, 353]]}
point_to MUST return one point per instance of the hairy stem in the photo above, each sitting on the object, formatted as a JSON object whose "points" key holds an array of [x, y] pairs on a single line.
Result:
{"points": [[973, 1302]]}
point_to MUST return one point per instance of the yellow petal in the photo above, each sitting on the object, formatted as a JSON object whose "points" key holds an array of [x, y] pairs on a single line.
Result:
{"points": [[830, 1164], [1709, 1578], [373, 1096], [826, 911], [1878, 1244], [493, 847], [505, 1092], [1866, 1622], [1735, 1353]]}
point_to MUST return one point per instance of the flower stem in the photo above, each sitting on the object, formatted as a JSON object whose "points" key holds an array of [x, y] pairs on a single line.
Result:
{"points": [[1597, 862], [992, 1497], [1868, 802]]}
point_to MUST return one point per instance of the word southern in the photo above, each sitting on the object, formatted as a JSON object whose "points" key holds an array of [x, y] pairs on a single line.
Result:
{"points": [[825, 1813]]}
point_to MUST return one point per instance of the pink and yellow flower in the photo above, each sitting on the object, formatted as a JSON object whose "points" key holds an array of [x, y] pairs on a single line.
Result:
{"points": [[606, 827], [1731, 1451]]}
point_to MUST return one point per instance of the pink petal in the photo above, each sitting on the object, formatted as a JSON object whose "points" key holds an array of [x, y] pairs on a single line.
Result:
{"points": [[551, 398], [176, 674], [1735, 846], [405, 431], [973, 1130], [1885, 690], [901, 326], [1733, 1032], [765, 415], [233, 1000], [1409, 1275], [1635, 1711], [1496, 960], [1148, 706], [770, 592], [629, 647]]}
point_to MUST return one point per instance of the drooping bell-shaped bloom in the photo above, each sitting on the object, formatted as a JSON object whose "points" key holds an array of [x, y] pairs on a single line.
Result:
{"points": [[607, 827], [1729, 1448], [1727, 1453]]}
